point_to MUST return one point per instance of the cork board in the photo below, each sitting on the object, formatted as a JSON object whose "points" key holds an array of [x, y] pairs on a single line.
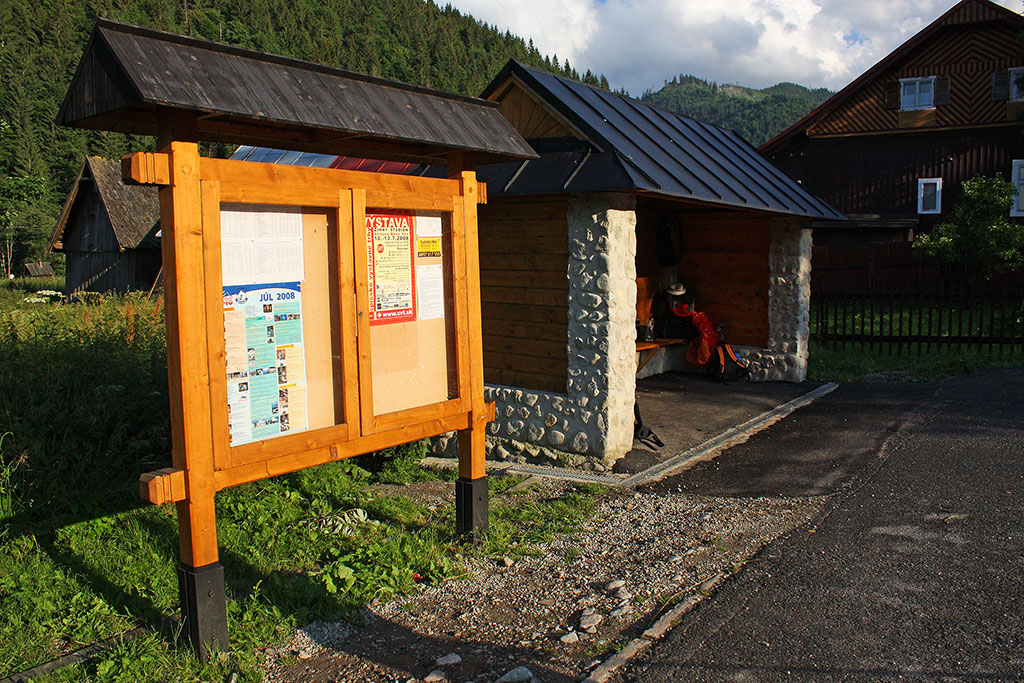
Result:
{"points": [[318, 322], [276, 276], [411, 360]]}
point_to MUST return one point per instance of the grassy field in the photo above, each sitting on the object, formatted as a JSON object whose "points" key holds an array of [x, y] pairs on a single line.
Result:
{"points": [[854, 364], [84, 411], [853, 360]]}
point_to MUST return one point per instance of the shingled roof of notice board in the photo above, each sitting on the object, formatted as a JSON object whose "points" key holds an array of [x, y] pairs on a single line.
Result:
{"points": [[634, 146], [128, 74]]}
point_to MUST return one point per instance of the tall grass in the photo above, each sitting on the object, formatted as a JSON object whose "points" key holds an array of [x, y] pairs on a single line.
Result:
{"points": [[18, 288], [85, 403], [84, 411]]}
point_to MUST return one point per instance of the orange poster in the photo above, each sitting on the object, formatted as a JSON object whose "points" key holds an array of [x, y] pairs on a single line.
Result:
{"points": [[390, 257]]}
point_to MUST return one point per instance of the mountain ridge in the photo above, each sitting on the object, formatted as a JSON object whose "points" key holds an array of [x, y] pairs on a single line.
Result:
{"points": [[755, 114]]}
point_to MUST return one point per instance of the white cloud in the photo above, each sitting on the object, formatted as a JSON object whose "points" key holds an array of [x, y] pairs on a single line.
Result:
{"points": [[638, 44], [557, 27]]}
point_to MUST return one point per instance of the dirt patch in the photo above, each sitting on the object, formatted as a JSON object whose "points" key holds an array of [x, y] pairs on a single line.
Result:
{"points": [[427, 493], [658, 543]]}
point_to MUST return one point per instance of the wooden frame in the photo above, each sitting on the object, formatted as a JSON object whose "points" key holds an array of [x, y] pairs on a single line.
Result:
{"points": [[245, 406], [344, 197]]}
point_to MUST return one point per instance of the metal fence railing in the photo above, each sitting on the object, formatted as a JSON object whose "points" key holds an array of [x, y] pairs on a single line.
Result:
{"points": [[909, 306]]}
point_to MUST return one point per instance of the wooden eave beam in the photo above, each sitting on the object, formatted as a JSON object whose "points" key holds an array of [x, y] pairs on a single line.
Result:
{"points": [[57, 238]]}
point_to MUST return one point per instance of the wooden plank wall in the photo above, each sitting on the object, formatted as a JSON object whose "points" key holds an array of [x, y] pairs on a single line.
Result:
{"points": [[722, 260], [879, 174], [968, 54], [524, 290]]}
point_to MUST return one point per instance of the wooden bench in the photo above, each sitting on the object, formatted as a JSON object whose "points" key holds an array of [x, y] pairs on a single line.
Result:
{"points": [[653, 346]]}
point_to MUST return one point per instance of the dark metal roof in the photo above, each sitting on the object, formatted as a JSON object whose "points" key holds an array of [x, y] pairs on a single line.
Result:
{"points": [[128, 74], [636, 147], [134, 210]]}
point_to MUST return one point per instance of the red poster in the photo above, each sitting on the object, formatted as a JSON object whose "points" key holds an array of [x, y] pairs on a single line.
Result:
{"points": [[389, 252]]}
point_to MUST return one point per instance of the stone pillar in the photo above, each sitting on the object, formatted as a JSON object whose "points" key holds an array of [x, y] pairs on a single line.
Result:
{"points": [[591, 424], [789, 296], [602, 315]]}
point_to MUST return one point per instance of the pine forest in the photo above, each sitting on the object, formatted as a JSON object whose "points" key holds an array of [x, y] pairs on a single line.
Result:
{"points": [[414, 41]]}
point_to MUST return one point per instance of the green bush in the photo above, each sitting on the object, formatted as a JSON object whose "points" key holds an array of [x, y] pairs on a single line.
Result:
{"points": [[979, 233]]}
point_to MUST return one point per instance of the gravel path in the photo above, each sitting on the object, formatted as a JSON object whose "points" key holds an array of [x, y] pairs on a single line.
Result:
{"points": [[558, 614]]}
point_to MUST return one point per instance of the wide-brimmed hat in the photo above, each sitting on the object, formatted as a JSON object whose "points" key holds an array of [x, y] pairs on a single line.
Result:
{"points": [[676, 289]]}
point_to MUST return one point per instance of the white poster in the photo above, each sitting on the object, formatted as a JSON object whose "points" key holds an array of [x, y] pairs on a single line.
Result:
{"points": [[430, 291], [261, 244]]}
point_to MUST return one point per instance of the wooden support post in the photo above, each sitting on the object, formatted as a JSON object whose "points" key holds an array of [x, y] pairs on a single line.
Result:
{"points": [[200, 576], [471, 492]]}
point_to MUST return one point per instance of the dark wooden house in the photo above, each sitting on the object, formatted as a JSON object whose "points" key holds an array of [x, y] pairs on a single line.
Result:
{"points": [[108, 231], [891, 149]]}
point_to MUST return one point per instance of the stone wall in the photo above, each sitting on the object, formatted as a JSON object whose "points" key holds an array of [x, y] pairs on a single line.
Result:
{"points": [[593, 421], [789, 296]]}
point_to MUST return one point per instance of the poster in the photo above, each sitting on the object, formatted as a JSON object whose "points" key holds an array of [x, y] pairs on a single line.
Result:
{"points": [[390, 261], [263, 269], [429, 268], [265, 362], [260, 244]]}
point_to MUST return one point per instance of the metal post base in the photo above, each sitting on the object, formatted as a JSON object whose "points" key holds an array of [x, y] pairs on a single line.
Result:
{"points": [[204, 614], [471, 499]]}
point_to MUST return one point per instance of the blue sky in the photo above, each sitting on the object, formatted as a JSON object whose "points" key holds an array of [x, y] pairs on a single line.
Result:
{"points": [[639, 44]]}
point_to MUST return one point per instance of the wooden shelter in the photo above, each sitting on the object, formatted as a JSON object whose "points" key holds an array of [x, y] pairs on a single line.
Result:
{"points": [[575, 245], [38, 269], [108, 231], [313, 314], [892, 148]]}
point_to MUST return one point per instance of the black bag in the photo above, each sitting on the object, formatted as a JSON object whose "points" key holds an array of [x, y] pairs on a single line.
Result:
{"points": [[725, 366], [642, 432]]}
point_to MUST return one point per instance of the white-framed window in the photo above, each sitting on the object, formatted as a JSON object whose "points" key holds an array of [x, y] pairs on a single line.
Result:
{"points": [[1017, 178], [929, 195], [917, 93], [1016, 92]]}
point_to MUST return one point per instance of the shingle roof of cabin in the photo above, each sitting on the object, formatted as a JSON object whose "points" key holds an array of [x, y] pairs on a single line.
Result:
{"points": [[39, 269], [129, 73], [134, 210], [632, 146], [965, 11]]}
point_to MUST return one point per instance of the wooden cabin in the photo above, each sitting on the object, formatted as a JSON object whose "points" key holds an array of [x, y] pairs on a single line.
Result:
{"points": [[575, 246], [891, 149], [108, 231]]}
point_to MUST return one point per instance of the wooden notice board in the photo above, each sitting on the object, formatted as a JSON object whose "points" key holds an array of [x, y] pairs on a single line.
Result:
{"points": [[328, 337], [312, 315]]}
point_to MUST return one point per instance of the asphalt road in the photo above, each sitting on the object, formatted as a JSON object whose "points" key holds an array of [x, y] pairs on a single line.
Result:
{"points": [[915, 571]]}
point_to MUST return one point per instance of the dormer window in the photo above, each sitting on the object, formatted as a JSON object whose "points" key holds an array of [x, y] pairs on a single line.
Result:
{"points": [[917, 93]]}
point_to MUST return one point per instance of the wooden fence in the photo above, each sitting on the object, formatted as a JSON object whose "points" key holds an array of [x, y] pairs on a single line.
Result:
{"points": [[899, 303]]}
